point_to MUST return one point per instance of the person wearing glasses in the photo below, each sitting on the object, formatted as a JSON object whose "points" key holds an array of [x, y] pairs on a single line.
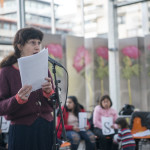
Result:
{"points": [[29, 112]]}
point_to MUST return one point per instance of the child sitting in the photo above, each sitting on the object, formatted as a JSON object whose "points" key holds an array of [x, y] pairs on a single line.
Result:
{"points": [[124, 135]]}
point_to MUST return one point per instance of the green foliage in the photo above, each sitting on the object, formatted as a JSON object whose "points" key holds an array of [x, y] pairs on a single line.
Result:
{"points": [[129, 69], [102, 69]]}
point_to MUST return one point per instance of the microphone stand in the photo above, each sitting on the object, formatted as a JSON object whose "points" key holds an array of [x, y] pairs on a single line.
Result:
{"points": [[55, 97]]}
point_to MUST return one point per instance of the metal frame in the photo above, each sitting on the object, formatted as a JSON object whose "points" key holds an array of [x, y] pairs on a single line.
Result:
{"points": [[53, 17], [114, 77], [21, 14]]}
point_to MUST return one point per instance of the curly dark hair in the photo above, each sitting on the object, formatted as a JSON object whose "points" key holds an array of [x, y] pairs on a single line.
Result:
{"points": [[22, 36], [77, 107], [122, 122], [103, 98]]}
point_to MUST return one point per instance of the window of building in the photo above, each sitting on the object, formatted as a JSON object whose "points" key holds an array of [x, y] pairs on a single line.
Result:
{"points": [[6, 26], [2, 38], [33, 4], [13, 27], [10, 4], [38, 5], [121, 19], [100, 6], [0, 25], [46, 20], [12, 15], [132, 32], [27, 17]]}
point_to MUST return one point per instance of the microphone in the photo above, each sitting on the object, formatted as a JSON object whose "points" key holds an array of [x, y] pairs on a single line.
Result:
{"points": [[54, 62]]}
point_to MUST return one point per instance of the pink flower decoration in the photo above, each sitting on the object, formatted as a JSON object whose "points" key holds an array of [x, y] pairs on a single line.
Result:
{"points": [[55, 50], [148, 47], [131, 51], [81, 59], [102, 52]]}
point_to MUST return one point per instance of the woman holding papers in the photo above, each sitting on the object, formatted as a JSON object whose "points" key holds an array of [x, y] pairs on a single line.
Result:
{"points": [[104, 122], [29, 112], [71, 123]]}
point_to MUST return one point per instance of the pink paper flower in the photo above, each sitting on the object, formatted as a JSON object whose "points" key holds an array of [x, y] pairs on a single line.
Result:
{"points": [[148, 47], [55, 50], [81, 59], [102, 52], [131, 51]]}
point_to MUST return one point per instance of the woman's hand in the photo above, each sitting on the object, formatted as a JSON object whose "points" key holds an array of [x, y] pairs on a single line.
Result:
{"points": [[76, 129], [87, 128], [24, 92], [47, 86]]}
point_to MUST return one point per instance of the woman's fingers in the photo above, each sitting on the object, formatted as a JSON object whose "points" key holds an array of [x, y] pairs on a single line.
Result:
{"points": [[24, 92], [47, 86]]}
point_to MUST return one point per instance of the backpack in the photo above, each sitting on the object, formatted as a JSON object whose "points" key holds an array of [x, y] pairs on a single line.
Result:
{"points": [[127, 110]]}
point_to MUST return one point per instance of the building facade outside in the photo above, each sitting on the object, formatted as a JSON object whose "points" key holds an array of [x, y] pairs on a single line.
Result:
{"points": [[68, 20]]}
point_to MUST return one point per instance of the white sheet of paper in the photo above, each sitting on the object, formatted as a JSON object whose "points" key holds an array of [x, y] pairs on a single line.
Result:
{"points": [[107, 122], [4, 125], [82, 120], [141, 134], [34, 69]]}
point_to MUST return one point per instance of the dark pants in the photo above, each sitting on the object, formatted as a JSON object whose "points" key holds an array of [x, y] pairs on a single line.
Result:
{"points": [[129, 148], [38, 136], [75, 138], [105, 142]]}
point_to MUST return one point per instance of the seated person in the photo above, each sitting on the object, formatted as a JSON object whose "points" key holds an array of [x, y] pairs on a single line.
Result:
{"points": [[124, 135], [3, 143], [104, 110], [71, 123], [91, 117]]}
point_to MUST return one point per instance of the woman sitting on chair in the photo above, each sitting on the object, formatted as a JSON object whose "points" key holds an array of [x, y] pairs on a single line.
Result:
{"points": [[71, 123], [104, 110]]}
